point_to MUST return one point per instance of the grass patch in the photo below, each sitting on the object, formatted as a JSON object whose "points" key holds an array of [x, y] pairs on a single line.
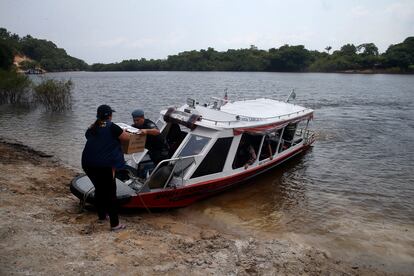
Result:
{"points": [[15, 88], [18, 89], [54, 95]]}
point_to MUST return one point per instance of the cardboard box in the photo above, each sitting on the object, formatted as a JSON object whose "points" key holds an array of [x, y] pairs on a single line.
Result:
{"points": [[136, 143]]}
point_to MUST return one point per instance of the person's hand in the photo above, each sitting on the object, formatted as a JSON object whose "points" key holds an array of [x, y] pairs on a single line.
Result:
{"points": [[246, 166]]}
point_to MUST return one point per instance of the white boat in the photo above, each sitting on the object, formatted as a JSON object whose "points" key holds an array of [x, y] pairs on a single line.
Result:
{"points": [[208, 145]]}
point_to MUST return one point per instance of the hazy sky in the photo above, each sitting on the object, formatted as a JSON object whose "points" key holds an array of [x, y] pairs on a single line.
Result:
{"points": [[110, 31]]}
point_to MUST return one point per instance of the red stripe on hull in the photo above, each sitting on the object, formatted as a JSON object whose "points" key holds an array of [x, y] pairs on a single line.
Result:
{"points": [[185, 196]]}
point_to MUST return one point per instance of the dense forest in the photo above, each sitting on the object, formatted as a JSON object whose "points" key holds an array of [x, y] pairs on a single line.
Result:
{"points": [[44, 53], [398, 58]]}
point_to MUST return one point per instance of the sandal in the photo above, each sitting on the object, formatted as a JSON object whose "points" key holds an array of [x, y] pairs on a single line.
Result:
{"points": [[118, 227]]}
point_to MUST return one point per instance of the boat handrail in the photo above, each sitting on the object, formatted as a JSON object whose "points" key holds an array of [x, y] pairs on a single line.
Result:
{"points": [[172, 171], [243, 118], [309, 136]]}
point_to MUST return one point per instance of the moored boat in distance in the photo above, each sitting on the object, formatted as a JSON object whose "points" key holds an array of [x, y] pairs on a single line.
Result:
{"points": [[213, 147], [34, 71]]}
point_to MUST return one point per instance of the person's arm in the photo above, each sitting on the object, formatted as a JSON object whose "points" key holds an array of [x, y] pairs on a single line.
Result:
{"points": [[118, 132], [150, 128], [124, 137], [253, 157], [151, 131], [88, 133], [270, 149], [252, 153]]}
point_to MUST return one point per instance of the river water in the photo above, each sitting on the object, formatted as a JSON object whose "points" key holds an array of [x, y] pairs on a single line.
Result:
{"points": [[352, 194]]}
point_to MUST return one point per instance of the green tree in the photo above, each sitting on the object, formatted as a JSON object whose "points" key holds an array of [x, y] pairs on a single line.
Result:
{"points": [[368, 55], [54, 95], [368, 49], [6, 56], [289, 58], [400, 55], [14, 88], [348, 50]]}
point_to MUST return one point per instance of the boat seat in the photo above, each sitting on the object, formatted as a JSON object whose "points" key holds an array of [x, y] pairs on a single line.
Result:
{"points": [[82, 186], [297, 141], [182, 165], [159, 177], [145, 168], [123, 174]]}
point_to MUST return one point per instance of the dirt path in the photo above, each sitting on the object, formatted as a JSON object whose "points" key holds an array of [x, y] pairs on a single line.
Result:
{"points": [[43, 233]]}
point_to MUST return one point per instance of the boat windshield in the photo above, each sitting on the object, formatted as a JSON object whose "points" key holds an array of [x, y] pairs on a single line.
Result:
{"points": [[194, 145]]}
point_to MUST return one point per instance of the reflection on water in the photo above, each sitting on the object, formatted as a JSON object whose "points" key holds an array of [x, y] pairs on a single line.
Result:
{"points": [[264, 203], [351, 194]]}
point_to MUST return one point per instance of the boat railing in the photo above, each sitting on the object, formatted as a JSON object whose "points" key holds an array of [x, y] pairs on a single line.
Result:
{"points": [[174, 167], [309, 136], [241, 118]]}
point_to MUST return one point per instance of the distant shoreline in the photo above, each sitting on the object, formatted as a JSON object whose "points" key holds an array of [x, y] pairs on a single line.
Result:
{"points": [[353, 71], [42, 55]]}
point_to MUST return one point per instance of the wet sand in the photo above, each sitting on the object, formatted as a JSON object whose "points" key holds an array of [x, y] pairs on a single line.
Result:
{"points": [[43, 232]]}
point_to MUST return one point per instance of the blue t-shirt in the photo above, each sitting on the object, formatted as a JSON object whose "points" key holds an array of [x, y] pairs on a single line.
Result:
{"points": [[103, 148]]}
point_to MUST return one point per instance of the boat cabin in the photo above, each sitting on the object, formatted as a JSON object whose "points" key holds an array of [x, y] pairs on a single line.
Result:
{"points": [[214, 141], [212, 147]]}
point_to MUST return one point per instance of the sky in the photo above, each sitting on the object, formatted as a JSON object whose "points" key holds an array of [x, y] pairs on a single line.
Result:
{"points": [[111, 31]]}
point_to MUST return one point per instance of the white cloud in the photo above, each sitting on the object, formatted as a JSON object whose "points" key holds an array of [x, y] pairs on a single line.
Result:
{"points": [[113, 31], [360, 12], [110, 43], [401, 11]]}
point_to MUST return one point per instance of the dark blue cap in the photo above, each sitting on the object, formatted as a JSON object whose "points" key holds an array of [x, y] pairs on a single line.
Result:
{"points": [[137, 113], [104, 111]]}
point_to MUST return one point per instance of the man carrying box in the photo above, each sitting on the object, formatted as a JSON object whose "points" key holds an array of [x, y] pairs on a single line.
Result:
{"points": [[156, 145]]}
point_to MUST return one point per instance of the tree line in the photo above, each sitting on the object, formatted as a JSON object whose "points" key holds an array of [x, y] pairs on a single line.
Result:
{"points": [[398, 58], [45, 54]]}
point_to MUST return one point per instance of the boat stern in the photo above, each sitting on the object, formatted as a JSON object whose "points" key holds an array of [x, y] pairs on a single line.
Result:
{"points": [[82, 187]]}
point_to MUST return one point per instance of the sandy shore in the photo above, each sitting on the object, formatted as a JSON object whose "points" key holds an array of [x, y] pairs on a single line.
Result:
{"points": [[43, 232]]}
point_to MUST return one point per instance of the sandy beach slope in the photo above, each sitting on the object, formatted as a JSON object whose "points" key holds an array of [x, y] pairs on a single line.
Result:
{"points": [[42, 232]]}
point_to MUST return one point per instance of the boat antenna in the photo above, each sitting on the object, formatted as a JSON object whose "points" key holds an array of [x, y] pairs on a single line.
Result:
{"points": [[291, 96]]}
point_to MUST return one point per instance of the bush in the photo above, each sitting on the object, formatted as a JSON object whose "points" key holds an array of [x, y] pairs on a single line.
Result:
{"points": [[14, 88], [54, 95], [25, 65], [6, 56]]}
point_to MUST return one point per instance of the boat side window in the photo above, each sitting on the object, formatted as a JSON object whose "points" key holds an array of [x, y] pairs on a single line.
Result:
{"points": [[247, 151], [194, 145], [215, 158], [274, 138], [300, 131], [268, 148], [160, 124], [287, 137]]}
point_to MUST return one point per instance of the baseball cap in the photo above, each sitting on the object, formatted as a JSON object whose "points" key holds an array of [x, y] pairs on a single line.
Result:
{"points": [[137, 113], [104, 111]]}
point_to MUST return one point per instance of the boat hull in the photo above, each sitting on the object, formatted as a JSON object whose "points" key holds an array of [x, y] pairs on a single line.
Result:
{"points": [[178, 197], [181, 197]]}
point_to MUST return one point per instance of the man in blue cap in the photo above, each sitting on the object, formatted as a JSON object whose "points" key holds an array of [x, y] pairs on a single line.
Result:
{"points": [[156, 145]]}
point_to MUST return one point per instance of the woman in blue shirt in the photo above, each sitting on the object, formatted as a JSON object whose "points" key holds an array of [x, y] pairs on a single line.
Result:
{"points": [[101, 156]]}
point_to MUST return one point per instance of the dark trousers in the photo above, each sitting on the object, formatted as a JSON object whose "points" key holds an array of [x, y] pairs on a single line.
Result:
{"points": [[105, 192]]}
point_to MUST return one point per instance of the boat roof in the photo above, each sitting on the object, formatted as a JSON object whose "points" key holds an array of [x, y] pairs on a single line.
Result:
{"points": [[261, 108], [242, 114]]}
